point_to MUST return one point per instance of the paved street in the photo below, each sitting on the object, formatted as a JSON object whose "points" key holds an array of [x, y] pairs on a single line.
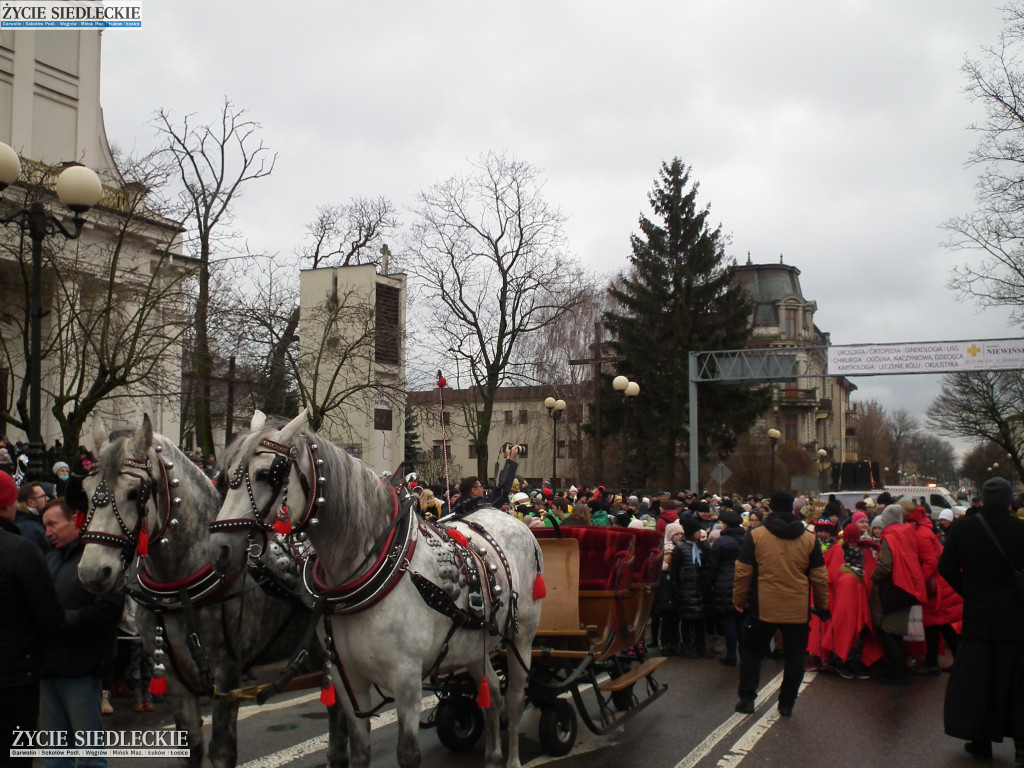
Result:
{"points": [[836, 724]]}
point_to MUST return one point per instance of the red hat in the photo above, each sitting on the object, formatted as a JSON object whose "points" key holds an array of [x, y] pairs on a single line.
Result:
{"points": [[851, 534], [8, 491]]}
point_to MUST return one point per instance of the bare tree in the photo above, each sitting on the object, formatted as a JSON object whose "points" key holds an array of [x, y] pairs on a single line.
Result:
{"points": [[115, 316], [983, 406], [873, 435], [214, 162], [994, 232], [903, 427], [353, 233], [490, 254]]}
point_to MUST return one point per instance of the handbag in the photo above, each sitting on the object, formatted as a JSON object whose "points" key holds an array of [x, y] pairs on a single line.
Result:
{"points": [[1018, 573], [915, 625]]}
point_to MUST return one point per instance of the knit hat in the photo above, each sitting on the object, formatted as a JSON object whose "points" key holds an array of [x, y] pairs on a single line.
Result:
{"points": [[59, 466], [884, 499], [731, 518], [690, 526], [824, 523], [672, 529], [996, 492], [781, 502], [946, 514], [858, 516], [8, 491], [891, 514], [851, 534], [700, 506], [521, 498]]}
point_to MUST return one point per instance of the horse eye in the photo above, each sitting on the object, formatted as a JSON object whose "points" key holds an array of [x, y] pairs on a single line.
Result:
{"points": [[262, 475], [133, 494]]}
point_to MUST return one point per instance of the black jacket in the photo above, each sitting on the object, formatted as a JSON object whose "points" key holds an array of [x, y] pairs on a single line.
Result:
{"points": [[686, 580], [29, 608], [85, 644], [974, 568], [497, 497], [721, 568]]}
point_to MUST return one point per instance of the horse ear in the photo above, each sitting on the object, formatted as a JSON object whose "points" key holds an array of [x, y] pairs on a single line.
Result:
{"points": [[142, 441], [293, 427], [259, 420], [99, 434]]}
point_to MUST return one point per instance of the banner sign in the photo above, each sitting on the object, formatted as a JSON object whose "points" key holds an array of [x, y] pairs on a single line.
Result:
{"points": [[926, 357]]}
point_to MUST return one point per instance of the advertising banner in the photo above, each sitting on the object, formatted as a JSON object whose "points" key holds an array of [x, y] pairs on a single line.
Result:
{"points": [[926, 357]]}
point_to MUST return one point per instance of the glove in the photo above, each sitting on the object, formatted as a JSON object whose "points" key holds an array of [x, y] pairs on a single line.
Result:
{"points": [[822, 613]]}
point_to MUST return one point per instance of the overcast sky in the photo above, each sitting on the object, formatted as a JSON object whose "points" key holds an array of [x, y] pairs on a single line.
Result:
{"points": [[834, 133]]}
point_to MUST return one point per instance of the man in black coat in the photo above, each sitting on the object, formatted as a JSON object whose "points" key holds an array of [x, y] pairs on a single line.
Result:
{"points": [[76, 656], [985, 695], [28, 609]]}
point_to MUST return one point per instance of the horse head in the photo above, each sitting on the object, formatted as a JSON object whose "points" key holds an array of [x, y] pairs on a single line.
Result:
{"points": [[135, 505], [273, 485]]}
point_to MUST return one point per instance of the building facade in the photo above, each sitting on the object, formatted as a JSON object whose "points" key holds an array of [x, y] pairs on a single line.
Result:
{"points": [[50, 114]]}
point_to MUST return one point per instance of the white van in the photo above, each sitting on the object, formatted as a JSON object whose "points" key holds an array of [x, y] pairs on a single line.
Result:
{"points": [[938, 498]]}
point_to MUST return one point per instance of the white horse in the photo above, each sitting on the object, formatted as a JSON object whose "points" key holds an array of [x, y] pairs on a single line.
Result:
{"points": [[377, 568], [147, 494]]}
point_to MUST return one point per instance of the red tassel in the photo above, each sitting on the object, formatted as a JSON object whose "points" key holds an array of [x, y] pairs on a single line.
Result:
{"points": [[441, 382], [142, 547], [327, 696], [158, 686], [540, 590], [457, 537], [283, 524], [79, 519], [483, 697]]}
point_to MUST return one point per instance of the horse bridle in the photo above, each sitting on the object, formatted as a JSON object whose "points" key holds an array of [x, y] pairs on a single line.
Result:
{"points": [[285, 458], [130, 539]]}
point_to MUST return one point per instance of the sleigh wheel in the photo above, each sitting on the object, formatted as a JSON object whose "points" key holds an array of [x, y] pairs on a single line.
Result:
{"points": [[557, 729], [460, 723]]}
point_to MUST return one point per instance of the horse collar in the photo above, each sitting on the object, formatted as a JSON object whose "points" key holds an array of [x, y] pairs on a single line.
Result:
{"points": [[374, 584]]}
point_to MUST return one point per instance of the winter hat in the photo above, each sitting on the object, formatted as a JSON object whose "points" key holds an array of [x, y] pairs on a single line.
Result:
{"points": [[59, 466], [824, 523], [731, 518], [521, 498], [851, 534], [690, 526], [884, 499], [8, 491], [672, 529], [858, 516], [891, 514], [781, 502], [946, 514], [996, 492], [700, 506]]}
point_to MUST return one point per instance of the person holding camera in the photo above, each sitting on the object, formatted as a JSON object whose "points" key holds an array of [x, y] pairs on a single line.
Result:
{"points": [[471, 489]]}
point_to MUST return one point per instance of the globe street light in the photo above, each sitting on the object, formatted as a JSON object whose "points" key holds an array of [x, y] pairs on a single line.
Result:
{"points": [[773, 435], [629, 390], [822, 453], [555, 410], [79, 189]]}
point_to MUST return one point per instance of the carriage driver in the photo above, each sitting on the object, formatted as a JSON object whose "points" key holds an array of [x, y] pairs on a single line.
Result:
{"points": [[471, 490]]}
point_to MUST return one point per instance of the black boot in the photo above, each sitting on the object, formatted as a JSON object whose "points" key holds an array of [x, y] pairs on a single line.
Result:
{"points": [[897, 673], [1018, 753]]}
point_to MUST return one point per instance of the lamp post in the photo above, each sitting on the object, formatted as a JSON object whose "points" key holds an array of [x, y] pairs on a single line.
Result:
{"points": [[822, 453], [773, 435], [1009, 458], [629, 390], [555, 410], [79, 189]]}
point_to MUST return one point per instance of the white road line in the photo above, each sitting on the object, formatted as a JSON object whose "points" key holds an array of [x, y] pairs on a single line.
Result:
{"points": [[716, 736], [749, 740], [319, 743]]}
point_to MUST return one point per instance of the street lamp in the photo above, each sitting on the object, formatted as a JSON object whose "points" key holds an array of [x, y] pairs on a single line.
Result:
{"points": [[822, 453], [79, 189], [773, 435], [629, 390], [555, 410]]}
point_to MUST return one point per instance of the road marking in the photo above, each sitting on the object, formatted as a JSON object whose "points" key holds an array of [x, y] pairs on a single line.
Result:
{"points": [[319, 743], [705, 747], [749, 740]]}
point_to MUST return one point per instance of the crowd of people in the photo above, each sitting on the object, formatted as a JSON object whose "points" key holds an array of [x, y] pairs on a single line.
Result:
{"points": [[884, 590]]}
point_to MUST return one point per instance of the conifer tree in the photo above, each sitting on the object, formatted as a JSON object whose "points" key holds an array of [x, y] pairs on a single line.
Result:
{"points": [[678, 296]]}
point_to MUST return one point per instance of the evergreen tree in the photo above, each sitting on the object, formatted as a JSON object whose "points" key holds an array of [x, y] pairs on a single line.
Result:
{"points": [[412, 441], [678, 296]]}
